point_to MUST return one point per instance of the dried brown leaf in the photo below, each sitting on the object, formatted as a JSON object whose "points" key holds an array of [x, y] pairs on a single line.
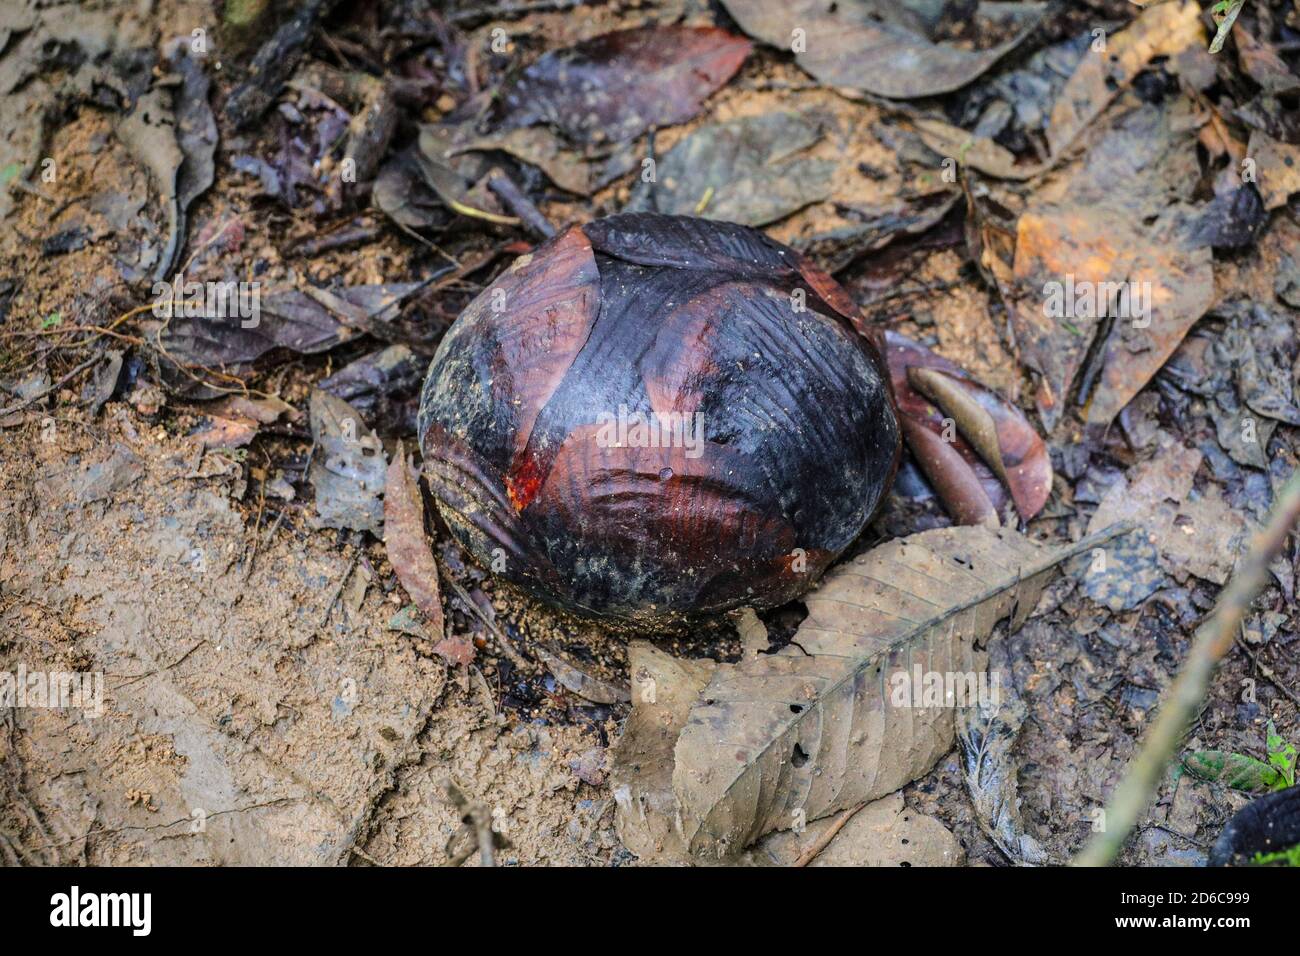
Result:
{"points": [[412, 558], [820, 726]]}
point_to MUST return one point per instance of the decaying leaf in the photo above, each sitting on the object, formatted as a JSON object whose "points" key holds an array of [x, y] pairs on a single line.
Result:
{"points": [[880, 47], [1194, 531], [987, 736], [830, 721], [612, 88], [747, 170], [412, 558], [1108, 276], [540, 147], [348, 466], [1277, 168], [664, 688]]}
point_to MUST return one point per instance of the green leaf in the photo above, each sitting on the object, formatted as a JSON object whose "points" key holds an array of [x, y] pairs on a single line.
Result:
{"points": [[51, 320], [1281, 756], [1237, 771]]}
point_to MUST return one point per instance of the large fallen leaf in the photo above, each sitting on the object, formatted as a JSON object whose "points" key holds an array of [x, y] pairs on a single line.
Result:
{"points": [[664, 688], [881, 47], [412, 558], [1121, 219], [614, 87], [822, 725]]}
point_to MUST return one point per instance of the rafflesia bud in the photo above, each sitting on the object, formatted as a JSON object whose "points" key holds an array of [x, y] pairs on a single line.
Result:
{"points": [[654, 418]]}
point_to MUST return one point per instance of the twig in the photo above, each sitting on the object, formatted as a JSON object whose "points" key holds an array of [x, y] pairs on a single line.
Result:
{"points": [[1213, 639], [810, 854], [519, 204], [824, 839], [18, 407]]}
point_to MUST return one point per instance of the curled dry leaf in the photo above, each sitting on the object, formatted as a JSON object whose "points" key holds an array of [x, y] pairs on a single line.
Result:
{"points": [[829, 722], [408, 548], [969, 440], [879, 47]]}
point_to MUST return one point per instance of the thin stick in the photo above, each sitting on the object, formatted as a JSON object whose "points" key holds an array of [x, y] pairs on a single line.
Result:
{"points": [[1213, 639], [810, 854], [53, 388], [519, 204]]}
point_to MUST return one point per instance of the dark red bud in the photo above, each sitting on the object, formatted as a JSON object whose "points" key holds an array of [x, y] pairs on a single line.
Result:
{"points": [[653, 418]]}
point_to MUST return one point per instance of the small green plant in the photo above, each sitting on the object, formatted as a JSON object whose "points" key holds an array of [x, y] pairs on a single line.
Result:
{"points": [[1289, 857], [1246, 773], [1281, 756], [51, 320]]}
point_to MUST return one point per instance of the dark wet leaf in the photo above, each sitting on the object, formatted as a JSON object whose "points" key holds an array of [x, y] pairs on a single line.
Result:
{"points": [[1267, 825], [746, 170], [539, 146], [404, 195], [614, 87], [382, 386], [881, 47], [1162, 30], [294, 319]]}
